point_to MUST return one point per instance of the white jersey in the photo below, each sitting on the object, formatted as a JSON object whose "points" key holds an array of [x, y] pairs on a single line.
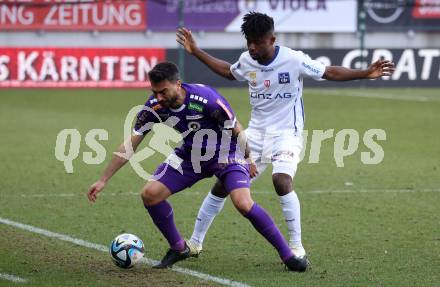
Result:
{"points": [[275, 89]]}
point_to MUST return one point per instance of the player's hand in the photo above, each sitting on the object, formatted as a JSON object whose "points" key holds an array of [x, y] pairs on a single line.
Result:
{"points": [[95, 189], [253, 172], [380, 68], [185, 38]]}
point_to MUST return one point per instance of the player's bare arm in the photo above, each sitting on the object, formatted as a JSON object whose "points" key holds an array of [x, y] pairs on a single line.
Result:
{"points": [[185, 38], [378, 69], [120, 158]]}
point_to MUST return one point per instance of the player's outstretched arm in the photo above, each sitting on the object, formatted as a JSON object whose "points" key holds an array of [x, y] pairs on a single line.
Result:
{"points": [[120, 158], [185, 38], [378, 69]]}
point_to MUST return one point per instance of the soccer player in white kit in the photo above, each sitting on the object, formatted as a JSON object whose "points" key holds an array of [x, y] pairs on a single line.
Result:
{"points": [[275, 77]]}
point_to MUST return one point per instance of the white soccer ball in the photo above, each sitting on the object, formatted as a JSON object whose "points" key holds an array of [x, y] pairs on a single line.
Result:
{"points": [[126, 250]]}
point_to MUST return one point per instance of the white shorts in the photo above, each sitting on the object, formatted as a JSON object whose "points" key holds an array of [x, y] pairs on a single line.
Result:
{"points": [[281, 149]]}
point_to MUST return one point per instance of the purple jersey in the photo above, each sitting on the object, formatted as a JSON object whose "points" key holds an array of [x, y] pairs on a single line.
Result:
{"points": [[203, 108]]}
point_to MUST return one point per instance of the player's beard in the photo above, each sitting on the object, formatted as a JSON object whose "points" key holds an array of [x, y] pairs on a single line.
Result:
{"points": [[170, 103], [165, 103]]}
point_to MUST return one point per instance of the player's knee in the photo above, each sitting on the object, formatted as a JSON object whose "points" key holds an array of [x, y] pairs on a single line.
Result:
{"points": [[282, 183], [218, 190], [243, 204], [149, 196]]}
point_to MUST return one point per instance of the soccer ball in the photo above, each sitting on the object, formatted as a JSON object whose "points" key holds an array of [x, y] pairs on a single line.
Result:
{"points": [[126, 250]]}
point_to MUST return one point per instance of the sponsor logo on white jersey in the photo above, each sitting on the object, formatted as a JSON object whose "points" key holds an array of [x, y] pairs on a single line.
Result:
{"points": [[284, 78], [267, 83]]}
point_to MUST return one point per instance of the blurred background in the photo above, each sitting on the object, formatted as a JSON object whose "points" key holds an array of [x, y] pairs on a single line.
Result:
{"points": [[97, 43]]}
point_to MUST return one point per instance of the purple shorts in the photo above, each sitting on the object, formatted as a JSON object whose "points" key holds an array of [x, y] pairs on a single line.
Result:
{"points": [[233, 175]]}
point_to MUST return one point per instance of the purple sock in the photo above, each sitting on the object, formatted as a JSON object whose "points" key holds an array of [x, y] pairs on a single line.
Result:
{"points": [[264, 224], [162, 215]]}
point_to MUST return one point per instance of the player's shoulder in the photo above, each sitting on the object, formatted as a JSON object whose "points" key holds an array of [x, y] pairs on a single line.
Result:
{"points": [[200, 90], [200, 95], [196, 87], [287, 52], [203, 94], [245, 58], [245, 55], [151, 100]]}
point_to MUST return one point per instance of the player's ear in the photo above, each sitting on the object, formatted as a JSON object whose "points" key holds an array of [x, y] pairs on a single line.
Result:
{"points": [[179, 83], [272, 39]]}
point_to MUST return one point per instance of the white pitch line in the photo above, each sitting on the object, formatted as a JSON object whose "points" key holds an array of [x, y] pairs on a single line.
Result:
{"points": [[387, 96], [371, 191], [12, 278], [103, 248], [49, 195]]}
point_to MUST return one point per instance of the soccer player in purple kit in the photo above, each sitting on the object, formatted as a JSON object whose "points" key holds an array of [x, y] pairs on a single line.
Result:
{"points": [[196, 108]]}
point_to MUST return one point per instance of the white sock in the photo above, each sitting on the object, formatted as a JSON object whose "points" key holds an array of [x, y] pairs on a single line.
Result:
{"points": [[292, 213], [212, 205]]}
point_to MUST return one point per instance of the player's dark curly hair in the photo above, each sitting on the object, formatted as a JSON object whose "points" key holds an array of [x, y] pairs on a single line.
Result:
{"points": [[164, 71], [256, 25]]}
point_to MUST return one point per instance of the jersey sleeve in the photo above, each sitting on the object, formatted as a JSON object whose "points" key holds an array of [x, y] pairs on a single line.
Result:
{"points": [[238, 69], [310, 68], [147, 117], [220, 110]]}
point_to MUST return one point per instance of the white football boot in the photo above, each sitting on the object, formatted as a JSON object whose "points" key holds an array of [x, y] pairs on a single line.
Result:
{"points": [[195, 248]]}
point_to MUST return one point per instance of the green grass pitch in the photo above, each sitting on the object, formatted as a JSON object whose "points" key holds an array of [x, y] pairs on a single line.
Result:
{"points": [[363, 225]]}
